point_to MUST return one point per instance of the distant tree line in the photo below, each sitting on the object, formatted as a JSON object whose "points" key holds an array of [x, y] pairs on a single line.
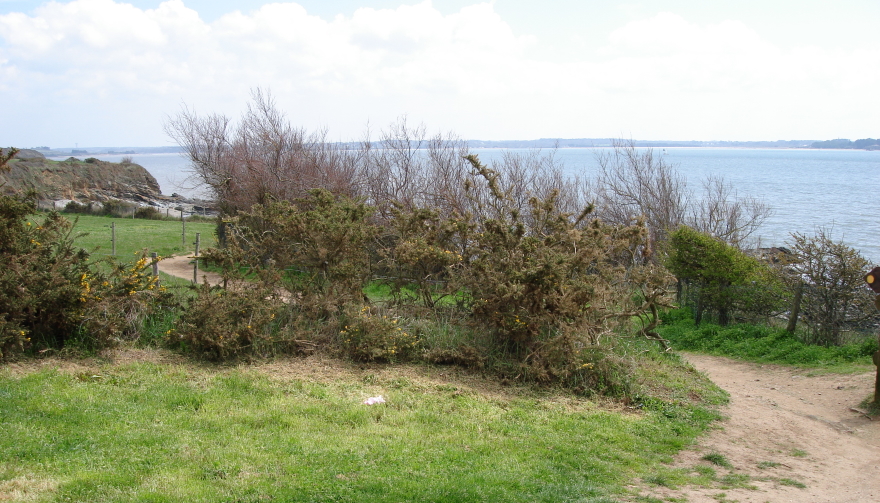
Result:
{"points": [[864, 144]]}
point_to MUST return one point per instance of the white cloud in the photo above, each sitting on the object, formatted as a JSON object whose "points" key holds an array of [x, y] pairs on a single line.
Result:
{"points": [[658, 77]]}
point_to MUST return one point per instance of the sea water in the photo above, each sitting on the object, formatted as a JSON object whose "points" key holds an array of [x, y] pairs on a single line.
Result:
{"points": [[807, 189]]}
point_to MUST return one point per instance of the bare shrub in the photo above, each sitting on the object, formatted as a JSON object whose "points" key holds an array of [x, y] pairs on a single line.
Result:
{"points": [[834, 297], [634, 182], [262, 158], [726, 215], [408, 169]]}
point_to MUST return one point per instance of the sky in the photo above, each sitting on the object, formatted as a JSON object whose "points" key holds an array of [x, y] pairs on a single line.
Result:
{"points": [[111, 73]]}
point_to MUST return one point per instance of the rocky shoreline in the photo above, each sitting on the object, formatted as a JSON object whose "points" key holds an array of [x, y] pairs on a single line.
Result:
{"points": [[92, 180]]}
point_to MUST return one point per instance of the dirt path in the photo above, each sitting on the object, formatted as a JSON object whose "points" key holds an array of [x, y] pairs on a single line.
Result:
{"points": [[181, 266], [785, 429]]}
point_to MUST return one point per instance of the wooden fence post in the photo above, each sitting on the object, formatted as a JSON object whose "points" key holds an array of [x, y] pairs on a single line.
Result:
{"points": [[113, 238], [155, 257]]}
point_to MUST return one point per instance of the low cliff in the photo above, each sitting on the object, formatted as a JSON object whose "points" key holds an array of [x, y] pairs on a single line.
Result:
{"points": [[81, 180]]}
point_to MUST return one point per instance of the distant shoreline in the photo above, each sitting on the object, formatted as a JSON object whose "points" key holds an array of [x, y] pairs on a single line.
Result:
{"points": [[482, 144]]}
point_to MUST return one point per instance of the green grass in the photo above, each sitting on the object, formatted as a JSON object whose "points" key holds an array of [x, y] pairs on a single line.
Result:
{"points": [[793, 483], [133, 235], [149, 432], [760, 343], [717, 459]]}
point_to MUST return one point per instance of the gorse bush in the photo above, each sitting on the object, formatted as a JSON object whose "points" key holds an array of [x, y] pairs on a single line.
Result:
{"points": [[220, 324], [40, 279], [547, 287], [420, 253], [117, 303], [543, 277], [317, 247], [373, 336], [52, 295]]}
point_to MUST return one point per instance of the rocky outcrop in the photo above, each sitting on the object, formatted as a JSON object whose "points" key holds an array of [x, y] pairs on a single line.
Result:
{"points": [[79, 180]]}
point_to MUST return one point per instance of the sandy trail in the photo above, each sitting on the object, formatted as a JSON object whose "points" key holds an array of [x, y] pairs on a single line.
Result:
{"points": [[181, 266], [785, 426]]}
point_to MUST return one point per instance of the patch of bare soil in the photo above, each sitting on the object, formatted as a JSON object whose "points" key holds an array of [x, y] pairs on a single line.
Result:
{"points": [[795, 435], [181, 266]]}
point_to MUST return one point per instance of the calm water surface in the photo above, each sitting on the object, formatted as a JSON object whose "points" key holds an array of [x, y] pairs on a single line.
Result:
{"points": [[807, 189]]}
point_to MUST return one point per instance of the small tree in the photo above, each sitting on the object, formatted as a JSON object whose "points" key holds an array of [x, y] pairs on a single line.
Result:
{"points": [[834, 295]]}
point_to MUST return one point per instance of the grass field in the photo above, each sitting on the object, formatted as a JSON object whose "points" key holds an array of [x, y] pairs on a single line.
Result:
{"points": [[298, 430], [164, 237]]}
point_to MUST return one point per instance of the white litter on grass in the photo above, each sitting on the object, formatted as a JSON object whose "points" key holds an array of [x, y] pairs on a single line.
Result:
{"points": [[374, 400]]}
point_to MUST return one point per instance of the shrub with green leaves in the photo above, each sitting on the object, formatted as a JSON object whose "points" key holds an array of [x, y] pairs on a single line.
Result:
{"points": [[720, 279], [319, 243], [423, 250], [115, 304], [40, 281], [833, 294], [52, 294]]}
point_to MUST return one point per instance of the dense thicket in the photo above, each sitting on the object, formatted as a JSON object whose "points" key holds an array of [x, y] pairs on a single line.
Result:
{"points": [[526, 252], [513, 264], [546, 287]]}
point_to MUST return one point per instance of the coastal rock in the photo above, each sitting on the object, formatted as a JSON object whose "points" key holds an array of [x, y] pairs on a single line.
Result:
{"points": [[79, 180]]}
